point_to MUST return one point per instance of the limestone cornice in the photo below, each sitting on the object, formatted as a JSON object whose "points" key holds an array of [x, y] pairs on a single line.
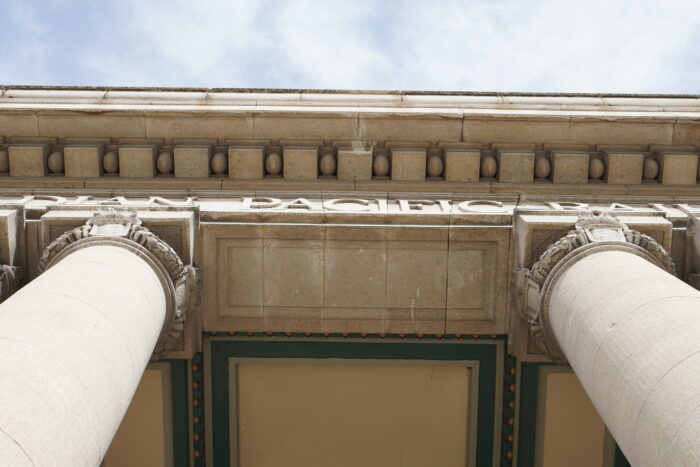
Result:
{"points": [[237, 139], [595, 232], [395, 103], [124, 229]]}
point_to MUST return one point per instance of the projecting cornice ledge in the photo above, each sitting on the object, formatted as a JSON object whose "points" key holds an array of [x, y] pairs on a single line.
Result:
{"points": [[123, 228], [595, 232]]}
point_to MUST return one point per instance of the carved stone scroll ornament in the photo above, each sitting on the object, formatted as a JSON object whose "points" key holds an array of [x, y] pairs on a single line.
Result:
{"points": [[123, 227], [9, 279], [595, 231]]}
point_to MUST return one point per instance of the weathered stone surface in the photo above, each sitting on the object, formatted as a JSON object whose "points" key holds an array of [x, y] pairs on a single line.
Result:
{"points": [[516, 167], [28, 161], [137, 162], [300, 164], [246, 163], [623, 169], [569, 167], [408, 165], [679, 169], [462, 166], [83, 161], [192, 162], [354, 164]]}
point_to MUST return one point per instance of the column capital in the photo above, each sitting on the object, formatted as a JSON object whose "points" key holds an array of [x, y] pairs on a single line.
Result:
{"points": [[9, 278], [124, 229], [595, 231]]}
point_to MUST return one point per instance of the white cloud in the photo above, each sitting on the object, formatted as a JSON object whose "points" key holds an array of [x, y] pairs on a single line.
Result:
{"points": [[23, 60], [329, 47], [622, 46], [502, 45]]}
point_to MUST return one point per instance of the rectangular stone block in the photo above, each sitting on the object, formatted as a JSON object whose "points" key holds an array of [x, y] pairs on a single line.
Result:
{"points": [[28, 161], [355, 277], [192, 162], [623, 168], [569, 167], [408, 165], [465, 283], [137, 162], [83, 161], [405, 288], [678, 169], [245, 273], [354, 165], [300, 164], [462, 166], [293, 273], [516, 167], [246, 163]]}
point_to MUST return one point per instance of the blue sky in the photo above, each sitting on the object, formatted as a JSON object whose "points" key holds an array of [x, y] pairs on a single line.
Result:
{"points": [[624, 46]]}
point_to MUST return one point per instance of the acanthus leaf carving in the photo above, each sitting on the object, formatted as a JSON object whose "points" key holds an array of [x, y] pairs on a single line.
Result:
{"points": [[591, 227], [183, 279]]}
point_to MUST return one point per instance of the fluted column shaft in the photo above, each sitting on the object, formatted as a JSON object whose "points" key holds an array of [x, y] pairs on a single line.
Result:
{"points": [[74, 343], [631, 332]]}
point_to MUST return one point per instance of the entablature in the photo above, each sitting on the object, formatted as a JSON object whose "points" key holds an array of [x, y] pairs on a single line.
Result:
{"points": [[349, 262]]}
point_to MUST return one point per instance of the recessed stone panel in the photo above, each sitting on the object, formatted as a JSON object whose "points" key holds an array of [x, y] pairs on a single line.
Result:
{"points": [[405, 288], [415, 321], [293, 273], [354, 320], [292, 319], [355, 274], [353, 278], [245, 277]]}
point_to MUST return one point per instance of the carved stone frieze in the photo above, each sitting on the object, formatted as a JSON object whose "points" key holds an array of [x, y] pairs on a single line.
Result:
{"points": [[180, 280], [594, 231]]}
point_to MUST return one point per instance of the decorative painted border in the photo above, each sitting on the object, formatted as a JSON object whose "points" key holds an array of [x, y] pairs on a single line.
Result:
{"points": [[526, 429], [509, 404], [356, 335], [198, 440], [180, 411], [487, 352]]}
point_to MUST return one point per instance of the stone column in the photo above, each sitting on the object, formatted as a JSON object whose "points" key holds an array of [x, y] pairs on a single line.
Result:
{"points": [[75, 341], [605, 300]]}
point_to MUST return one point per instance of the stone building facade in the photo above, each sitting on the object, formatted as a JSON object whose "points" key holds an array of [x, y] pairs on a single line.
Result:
{"points": [[348, 278]]}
